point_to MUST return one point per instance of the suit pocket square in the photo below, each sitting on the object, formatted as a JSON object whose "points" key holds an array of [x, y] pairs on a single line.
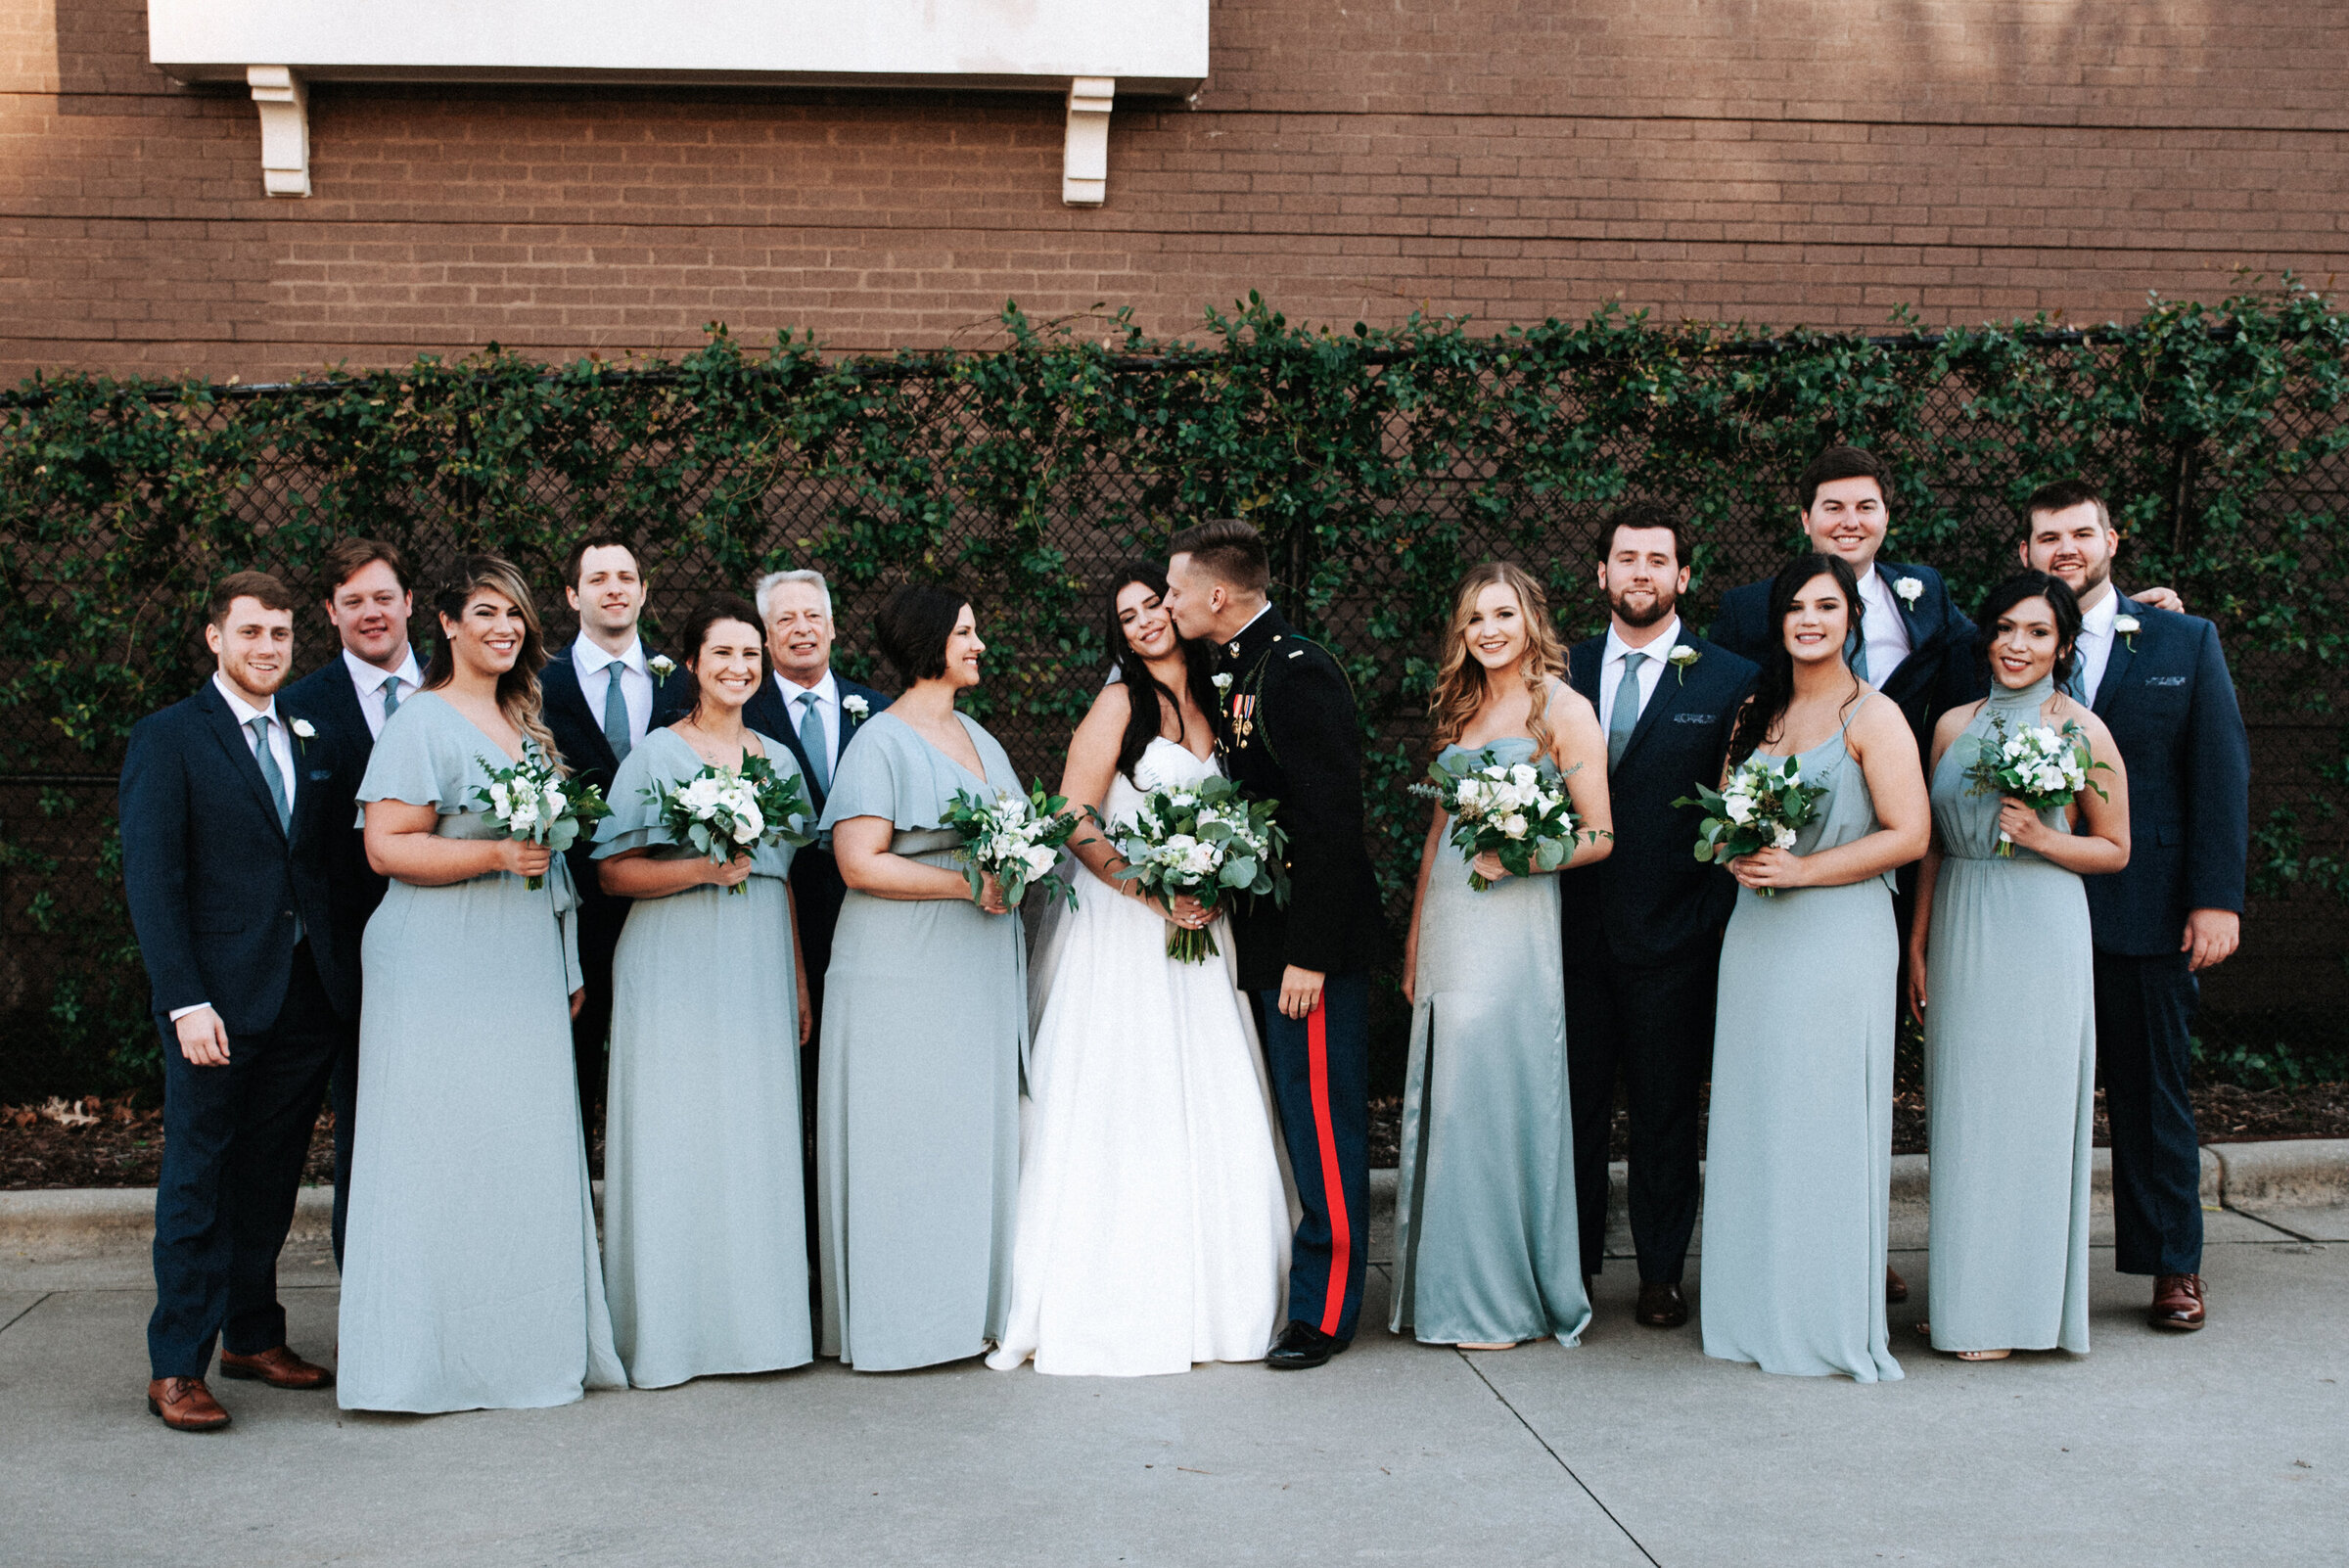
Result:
{"points": [[322, 772], [2165, 680], [1696, 719]]}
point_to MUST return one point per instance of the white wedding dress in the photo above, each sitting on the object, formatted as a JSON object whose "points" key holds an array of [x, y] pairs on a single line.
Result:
{"points": [[1153, 1224]]}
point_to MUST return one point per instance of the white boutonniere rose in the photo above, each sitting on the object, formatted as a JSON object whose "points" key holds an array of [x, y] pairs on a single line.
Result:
{"points": [[1909, 589], [662, 666], [855, 707], [2125, 627], [303, 731], [1680, 658], [1223, 684]]}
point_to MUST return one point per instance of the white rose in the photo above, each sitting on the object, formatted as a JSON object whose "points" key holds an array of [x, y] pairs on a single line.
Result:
{"points": [[1038, 860], [1740, 809], [1908, 589], [1783, 838], [857, 706], [1513, 824], [748, 825], [1522, 776]]}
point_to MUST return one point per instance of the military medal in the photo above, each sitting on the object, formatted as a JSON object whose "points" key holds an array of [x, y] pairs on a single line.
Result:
{"points": [[1243, 717]]}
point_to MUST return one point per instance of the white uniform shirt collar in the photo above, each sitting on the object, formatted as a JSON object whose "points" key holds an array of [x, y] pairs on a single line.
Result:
{"points": [[369, 678]]}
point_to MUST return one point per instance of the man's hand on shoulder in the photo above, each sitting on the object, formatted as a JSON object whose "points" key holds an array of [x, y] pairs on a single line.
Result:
{"points": [[2160, 599]]}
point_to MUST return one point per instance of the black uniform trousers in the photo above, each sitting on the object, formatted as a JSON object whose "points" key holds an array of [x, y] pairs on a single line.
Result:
{"points": [[1654, 1025], [2144, 1054], [235, 1141]]}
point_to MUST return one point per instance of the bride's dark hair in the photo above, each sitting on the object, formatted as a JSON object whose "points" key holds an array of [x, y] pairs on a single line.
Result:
{"points": [[1773, 688], [1143, 718]]}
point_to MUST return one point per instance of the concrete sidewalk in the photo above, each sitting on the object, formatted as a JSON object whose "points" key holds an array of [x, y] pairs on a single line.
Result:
{"points": [[2231, 1446]]}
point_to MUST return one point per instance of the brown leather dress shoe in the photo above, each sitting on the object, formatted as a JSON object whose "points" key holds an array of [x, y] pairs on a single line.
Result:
{"points": [[2176, 1303], [1661, 1304], [185, 1405], [1896, 1289], [278, 1366]]}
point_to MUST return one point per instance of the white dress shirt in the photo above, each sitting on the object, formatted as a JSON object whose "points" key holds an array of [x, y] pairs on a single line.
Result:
{"points": [[1887, 633], [631, 670], [2093, 648], [369, 681], [827, 703], [281, 748], [1610, 669]]}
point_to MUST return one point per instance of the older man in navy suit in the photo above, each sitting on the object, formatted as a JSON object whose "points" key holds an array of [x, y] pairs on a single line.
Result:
{"points": [[1642, 927], [2159, 681], [225, 850], [602, 695], [369, 600]]}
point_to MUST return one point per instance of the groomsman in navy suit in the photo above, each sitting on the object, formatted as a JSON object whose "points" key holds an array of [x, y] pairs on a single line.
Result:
{"points": [[1642, 927], [225, 853], [602, 696], [815, 711], [2159, 681], [348, 698]]}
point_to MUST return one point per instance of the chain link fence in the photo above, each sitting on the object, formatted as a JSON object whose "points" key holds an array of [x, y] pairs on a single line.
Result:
{"points": [[1378, 469]]}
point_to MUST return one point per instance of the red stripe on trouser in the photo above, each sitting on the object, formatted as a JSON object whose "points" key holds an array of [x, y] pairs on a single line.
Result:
{"points": [[1333, 1185]]}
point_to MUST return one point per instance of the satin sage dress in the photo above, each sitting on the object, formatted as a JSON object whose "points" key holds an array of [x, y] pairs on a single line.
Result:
{"points": [[470, 1278], [705, 1217], [1487, 1246], [2010, 1068], [1798, 1152], [918, 1132]]}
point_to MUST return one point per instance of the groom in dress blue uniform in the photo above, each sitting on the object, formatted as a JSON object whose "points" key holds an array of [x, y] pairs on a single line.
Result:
{"points": [[348, 699], [224, 864], [1287, 731], [2159, 681], [1642, 927], [602, 695]]}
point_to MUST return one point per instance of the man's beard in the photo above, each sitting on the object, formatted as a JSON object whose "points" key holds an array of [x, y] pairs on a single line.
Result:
{"points": [[1664, 604]]}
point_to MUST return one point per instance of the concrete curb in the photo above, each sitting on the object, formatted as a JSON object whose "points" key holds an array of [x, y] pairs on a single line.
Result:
{"points": [[83, 1222]]}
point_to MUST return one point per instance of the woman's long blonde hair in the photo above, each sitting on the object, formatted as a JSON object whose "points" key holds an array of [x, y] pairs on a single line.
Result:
{"points": [[1460, 680], [518, 696]]}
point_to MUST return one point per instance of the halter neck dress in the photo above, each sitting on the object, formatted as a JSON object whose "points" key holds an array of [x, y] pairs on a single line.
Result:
{"points": [[2010, 1058], [1798, 1153]]}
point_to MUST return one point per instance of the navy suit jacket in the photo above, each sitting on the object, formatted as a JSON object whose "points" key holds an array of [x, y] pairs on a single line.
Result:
{"points": [[579, 731], [213, 883], [1651, 901], [817, 891], [2170, 705], [1936, 676], [327, 698]]}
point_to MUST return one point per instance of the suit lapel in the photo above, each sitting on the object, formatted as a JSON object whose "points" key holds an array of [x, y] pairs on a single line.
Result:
{"points": [[231, 738], [2118, 661], [789, 735], [569, 689]]}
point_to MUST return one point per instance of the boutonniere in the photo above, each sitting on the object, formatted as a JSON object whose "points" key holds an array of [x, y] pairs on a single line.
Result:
{"points": [[2126, 628], [1223, 684], [662, 667], [856, 708], [304, 733], [1680, 658], [1909, 589]]}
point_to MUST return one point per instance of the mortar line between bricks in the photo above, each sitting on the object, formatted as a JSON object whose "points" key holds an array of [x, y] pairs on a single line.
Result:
{"points": [[29, 1307], [1557, 1459]]}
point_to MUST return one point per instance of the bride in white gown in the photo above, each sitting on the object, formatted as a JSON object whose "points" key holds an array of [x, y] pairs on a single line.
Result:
{"points": [[1153, 1224]]}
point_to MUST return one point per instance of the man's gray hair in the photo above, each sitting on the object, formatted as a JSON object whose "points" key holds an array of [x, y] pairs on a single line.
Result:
{"points": [[775, 580]]}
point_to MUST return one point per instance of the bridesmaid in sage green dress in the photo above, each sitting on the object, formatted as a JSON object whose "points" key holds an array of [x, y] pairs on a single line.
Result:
{"points": [[1487, 1252], [1798, 1155], [2002, 972], [470, 1275], [925, 1024], [704, 1217]]}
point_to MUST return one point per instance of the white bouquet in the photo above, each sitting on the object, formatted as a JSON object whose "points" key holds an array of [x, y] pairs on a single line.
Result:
{"points": [[533, 803], [1517, 811], [1204, 840], [1764, 806], [725, 811], [1016, 840], [2035, 764]]}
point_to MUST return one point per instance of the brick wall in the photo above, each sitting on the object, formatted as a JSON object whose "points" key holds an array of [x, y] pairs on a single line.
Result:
{"points": [[1779, 162]]}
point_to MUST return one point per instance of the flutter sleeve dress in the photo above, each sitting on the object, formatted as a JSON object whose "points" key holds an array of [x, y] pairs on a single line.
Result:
{"points": [[918, 1083], [705, 1217], [471, 1279]]}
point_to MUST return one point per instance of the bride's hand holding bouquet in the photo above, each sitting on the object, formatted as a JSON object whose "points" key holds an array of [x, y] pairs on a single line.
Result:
{"points": [[1192, 848]]}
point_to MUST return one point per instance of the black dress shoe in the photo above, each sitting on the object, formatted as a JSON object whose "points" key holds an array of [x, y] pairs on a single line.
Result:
{"points": [[1301, 1345], [1661, 1304]]}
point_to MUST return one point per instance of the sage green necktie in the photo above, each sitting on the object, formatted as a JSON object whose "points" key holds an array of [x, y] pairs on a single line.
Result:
{"points": [[615, 714], [260, 725], [1625, 716], [815, 743], [390, 698]]}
